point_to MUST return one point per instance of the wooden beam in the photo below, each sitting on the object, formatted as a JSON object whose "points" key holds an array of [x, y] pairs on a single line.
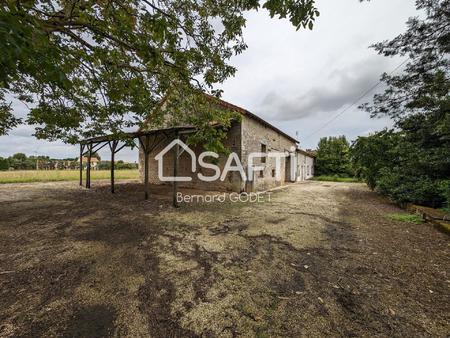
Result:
{"points": [[175, 171], [81, 163], [146, 156], [100, 147], [88, 168], [119, 149], [112, 146]]}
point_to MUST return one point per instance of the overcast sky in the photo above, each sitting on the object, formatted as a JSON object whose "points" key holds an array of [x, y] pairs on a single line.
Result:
{"points": [[297, 80]]}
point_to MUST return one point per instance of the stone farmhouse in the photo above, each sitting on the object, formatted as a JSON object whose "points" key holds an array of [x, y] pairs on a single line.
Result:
{"points": [[94, 162], [251, 134]]}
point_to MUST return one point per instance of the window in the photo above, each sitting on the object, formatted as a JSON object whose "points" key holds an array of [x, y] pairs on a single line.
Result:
{"points": [[273, 172], [263, 150], [261, 173]]}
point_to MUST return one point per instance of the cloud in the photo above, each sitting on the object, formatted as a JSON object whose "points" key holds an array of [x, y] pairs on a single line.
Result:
{"points": [[340, 88], [22, 131]]}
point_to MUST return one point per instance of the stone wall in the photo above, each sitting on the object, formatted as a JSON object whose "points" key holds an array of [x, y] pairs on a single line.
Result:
{"points": [[256, 137], [245, 137]]}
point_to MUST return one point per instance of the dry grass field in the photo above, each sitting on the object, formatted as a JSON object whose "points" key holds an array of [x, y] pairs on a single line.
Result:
{"points": [[319, 259], [26, 176]]}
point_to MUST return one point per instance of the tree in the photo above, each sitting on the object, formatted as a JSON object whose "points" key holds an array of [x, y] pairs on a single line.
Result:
{"points": [[333, 157], [4, 163], [418, 100], [423, 88], [97, 67], [18, 161], [412, 162], [369, 154]]}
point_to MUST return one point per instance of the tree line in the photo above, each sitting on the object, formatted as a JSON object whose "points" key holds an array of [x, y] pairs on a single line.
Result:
{"points": [[394, 163], [20, 161]]}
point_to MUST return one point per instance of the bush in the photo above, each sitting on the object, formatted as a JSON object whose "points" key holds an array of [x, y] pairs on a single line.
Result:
{"points": [[403, 188], [444, 187], [4, 163], [369, 154], [119, 165]]}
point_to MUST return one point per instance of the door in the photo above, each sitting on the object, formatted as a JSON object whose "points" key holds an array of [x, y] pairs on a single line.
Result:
{"points": [[288, 170]]}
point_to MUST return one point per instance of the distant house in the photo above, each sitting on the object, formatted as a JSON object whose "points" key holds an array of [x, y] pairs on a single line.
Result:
{"points": [[251, 134], [94, 162], [305, 164]]}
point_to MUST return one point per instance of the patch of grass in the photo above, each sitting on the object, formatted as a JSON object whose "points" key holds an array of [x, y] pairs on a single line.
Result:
{"points": [[409, 218], [26, 176], [446, 210], [336, 179]]}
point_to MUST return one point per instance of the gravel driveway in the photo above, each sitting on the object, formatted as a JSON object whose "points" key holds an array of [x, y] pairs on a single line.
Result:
{"points": [[319, 259]]}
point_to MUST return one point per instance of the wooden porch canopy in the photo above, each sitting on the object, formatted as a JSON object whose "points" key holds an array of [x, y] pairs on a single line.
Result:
{"points": [[148, 141]]}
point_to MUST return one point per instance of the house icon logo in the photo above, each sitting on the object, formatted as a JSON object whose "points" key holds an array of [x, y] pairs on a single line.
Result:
{"points": [[159, 158], [233, 164]]}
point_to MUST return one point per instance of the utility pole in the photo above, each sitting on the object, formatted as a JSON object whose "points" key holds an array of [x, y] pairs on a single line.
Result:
{"points": [[37, 160]]}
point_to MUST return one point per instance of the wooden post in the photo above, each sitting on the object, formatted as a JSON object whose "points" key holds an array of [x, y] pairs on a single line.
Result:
{"points": [[175, 172], [113, 151], [81, 164], [88, 168], [146, 153]]}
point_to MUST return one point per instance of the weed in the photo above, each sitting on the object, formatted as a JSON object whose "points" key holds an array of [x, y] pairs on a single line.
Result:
{"points": [[409, 218], [337, 179]]}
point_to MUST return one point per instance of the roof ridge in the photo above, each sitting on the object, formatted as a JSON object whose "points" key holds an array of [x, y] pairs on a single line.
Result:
{"points": [[244, 111]]}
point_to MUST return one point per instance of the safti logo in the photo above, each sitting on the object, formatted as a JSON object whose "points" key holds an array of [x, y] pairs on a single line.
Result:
{"points": [[233, 164]]}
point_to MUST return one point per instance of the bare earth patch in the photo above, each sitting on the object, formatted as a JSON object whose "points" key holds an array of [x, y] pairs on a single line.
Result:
{"points": [[318, 259]]}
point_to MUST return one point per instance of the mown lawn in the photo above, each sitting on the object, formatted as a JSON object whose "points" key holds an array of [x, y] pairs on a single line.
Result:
{"points": [[25, 176]]}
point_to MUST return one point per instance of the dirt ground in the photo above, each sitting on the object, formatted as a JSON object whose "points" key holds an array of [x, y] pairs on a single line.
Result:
{"points": [[319, 259]]}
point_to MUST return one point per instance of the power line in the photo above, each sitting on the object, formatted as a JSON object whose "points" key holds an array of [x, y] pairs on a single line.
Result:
{"points": [[354, 102]]}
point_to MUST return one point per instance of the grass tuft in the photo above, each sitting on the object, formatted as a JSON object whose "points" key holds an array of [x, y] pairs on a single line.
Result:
{"points": [[409, 218], [446, 210], [336, 179]]}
